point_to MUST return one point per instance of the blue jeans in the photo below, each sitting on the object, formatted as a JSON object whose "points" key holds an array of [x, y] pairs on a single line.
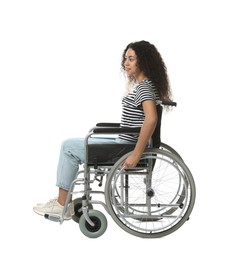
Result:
{"points": [[72, 155]]}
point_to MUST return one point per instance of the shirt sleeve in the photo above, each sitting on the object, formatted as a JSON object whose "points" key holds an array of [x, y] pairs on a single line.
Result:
{"points": [[144, 92]]}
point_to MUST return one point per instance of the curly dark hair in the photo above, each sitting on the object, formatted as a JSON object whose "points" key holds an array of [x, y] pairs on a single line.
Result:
{"points": [[150, 62]]}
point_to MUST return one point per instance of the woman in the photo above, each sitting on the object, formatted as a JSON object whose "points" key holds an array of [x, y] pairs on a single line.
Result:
{"points": [[147, 84]]}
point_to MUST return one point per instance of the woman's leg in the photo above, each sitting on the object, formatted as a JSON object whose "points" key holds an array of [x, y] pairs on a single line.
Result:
{"points": [[62, 195], [71, 155]]}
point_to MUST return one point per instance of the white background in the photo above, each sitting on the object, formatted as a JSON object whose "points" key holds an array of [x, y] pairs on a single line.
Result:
{"points": [[60, 74]]}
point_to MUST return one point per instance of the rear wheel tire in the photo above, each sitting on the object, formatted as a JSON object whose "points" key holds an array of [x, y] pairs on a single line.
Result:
{"points": [[153, 199]]}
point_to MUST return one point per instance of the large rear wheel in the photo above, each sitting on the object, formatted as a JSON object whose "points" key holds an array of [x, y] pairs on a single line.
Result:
{"points": [[155, 198]]}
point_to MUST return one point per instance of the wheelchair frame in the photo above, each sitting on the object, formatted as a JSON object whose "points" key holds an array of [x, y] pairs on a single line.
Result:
{"points": [[152, 200]]}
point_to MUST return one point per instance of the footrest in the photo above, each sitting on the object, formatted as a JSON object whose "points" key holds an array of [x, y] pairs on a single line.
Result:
{"points": [[54, 218]]}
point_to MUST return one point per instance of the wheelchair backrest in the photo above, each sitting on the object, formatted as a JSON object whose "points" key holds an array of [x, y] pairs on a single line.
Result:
{"points": [[156, 137]]}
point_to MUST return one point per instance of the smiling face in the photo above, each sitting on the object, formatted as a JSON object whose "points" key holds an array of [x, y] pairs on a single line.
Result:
{"points": [[131, 65]]}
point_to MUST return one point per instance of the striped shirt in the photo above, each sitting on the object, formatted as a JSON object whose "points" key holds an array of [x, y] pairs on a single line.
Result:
{"points": [[132, 110]]}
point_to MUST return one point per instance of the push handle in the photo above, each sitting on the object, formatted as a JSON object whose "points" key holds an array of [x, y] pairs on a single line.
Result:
{"points": [[169, 103]]}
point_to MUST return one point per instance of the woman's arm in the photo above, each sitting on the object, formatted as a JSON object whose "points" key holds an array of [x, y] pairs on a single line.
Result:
{"points": [[147, 129]]}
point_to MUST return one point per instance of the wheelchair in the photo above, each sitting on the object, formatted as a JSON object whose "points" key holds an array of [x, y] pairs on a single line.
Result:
{"points": [[151, 200]]}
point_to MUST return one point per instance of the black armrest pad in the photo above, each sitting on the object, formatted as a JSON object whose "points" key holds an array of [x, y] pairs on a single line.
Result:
{"points": [[116, 130], [108, 124]]}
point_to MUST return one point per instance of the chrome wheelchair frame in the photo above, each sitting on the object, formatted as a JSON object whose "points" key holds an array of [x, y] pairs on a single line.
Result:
{"points": [[152, 200]]}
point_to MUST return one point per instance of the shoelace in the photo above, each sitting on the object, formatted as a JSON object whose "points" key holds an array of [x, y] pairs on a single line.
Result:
{"points": [[51, 201]]}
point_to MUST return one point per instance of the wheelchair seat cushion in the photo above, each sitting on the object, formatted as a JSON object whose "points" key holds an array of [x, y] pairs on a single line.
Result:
{"points": [[107, 154]]}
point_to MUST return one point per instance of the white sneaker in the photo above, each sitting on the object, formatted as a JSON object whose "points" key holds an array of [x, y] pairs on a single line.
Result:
{"points": [[54, 208], [43, 204]]}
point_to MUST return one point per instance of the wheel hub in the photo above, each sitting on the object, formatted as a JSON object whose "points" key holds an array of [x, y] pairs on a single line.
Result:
{"points": [[150, 193]]}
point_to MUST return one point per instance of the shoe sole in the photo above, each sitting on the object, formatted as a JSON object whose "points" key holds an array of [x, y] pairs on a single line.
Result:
{"points": [[43, 214]]}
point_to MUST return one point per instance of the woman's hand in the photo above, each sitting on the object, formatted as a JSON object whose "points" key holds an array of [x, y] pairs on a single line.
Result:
{"points": [[131, 161]]}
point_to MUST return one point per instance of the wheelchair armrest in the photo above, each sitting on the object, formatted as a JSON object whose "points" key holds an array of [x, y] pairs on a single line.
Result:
{"points": [[108, 124], [116, 130]]}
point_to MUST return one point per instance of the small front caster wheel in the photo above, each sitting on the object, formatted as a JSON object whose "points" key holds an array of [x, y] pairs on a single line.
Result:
{"points": [[78, 209], [100, 224]]}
